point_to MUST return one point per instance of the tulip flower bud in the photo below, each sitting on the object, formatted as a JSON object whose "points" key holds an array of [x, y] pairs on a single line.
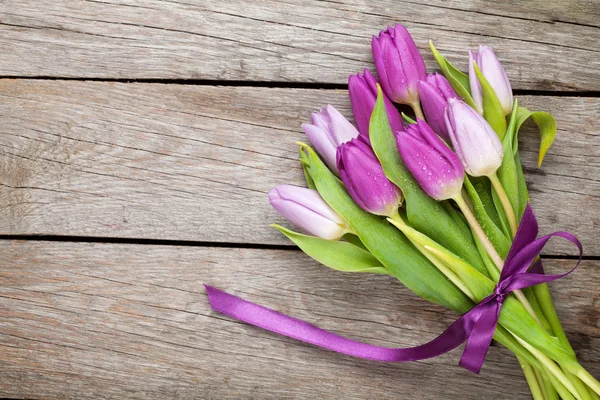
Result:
{"points": [[496, 76], [434, 165], [328, 130], [434, 92], [363, 95], [364, 178], [306, 209], [473, 139], [399, 64]]}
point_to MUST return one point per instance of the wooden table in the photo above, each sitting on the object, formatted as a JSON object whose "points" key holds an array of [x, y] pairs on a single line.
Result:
{"points": [[138, 141]]}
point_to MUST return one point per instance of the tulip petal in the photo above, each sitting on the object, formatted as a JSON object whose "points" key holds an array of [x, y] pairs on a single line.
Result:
{"points": [[399, 64], [364, 178], [328, 130], [456, 78], [473, 139], [474, 83], [423, 212], [433, 104], [436, 168], [306, 209], [496, 76], [323, 143], [363, 93]]}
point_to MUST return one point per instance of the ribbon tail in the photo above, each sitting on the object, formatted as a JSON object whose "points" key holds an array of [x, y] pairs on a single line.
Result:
{"points": [[480, 339], [274, 321]]}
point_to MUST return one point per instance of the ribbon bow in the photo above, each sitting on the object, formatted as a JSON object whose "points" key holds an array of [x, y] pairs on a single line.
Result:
{"points": [[476, 327]]}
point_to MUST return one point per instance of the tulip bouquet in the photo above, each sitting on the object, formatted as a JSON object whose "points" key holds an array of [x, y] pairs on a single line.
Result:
{"points": [[438, 201]]}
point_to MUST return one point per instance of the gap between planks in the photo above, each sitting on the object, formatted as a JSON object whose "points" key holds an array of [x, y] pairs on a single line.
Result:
{"points": [[271, 84], [199, 243]]}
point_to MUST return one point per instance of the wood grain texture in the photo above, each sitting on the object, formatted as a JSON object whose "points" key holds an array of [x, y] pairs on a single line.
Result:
{"points": [[196, 162], [132, 321], [547, 45]]}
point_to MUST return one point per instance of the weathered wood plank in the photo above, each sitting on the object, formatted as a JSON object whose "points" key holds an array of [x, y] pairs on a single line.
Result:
{"points": [[196, 162], [132, 321], [544, 44]]}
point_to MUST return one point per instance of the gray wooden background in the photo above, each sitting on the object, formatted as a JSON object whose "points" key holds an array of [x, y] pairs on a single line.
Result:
{"points": [[138, 141]]}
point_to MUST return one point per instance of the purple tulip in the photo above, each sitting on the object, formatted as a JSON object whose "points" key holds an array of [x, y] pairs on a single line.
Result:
{"points": [[363, 95], [328, 130], [434, 92], [364, 178], [306, 209], [496, 76], [433, 164], [399, 64], [473, 139]]}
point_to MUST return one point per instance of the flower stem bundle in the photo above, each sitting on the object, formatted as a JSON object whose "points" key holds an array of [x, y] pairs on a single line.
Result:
{"points": [[436, 203]]}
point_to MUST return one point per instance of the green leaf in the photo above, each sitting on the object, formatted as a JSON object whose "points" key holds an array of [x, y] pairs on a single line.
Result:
{"points": [[457, 79], [309, 181], [341, 256], [547, 125], [385, 242], [517, 320], [483, 187], [423, 213], [408, 119], [459, 219], [496, 236], [355, 240], [530, 295], [523, 193], [478, 284], [504, 223], [492, 110], [507, 173], [516, 120]]}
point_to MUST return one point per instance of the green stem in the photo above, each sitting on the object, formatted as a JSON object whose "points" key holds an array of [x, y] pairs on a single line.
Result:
{"points": [[530, 294], [416, 106], [485, 242], [491, 250], [581, 388], [551, 392], [551, 367], [508, 210], [532, 380], [560, 388], [435, 261], [587, 378], [542, 293], [501, 334], [540, 380]]}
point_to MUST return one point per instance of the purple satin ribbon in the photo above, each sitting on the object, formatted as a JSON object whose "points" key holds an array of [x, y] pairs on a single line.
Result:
{"points": [[476, 327]]}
